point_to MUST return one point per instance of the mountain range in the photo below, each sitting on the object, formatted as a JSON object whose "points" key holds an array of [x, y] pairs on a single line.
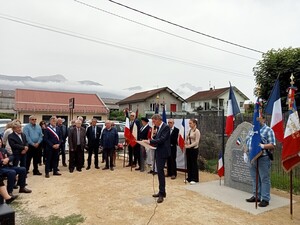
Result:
{"points": [[60, 83]]}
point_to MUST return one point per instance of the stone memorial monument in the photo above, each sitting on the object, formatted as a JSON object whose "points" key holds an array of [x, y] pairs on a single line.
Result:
{"points": [[237, 173]]}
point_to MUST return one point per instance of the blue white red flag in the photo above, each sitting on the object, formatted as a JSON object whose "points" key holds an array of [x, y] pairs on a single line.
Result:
{"points": [[274, 107], [232, 110], [290, 156], [181, 136], [255, 150], [130, 138], [220, 166], [238, 141]]}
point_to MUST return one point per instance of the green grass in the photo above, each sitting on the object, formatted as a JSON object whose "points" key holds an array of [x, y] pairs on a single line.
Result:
{"points": [[54, 220], [211, 165], [26, 218], [282, 182]]}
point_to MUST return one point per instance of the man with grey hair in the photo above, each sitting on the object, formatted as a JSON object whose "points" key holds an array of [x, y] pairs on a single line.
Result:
{"points": [[52, 138], [109, 141], [162, 143], [93, 135], [19, 145], [134, 151], [34, 136], [76, 146]]}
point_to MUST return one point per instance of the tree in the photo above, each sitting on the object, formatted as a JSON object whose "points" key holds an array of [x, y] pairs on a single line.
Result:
{"points": [[282, 63]]}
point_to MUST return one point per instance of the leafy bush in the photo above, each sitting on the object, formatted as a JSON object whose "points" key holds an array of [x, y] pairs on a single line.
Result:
{"points": [[209, 146]]}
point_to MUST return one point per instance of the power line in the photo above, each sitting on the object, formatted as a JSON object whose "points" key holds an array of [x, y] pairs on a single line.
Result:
{"points": [[120, 46], [163, 31], [186, 28]]}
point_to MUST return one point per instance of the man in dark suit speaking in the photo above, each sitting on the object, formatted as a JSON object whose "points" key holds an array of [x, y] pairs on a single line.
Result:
{"points": [[162, 143]]}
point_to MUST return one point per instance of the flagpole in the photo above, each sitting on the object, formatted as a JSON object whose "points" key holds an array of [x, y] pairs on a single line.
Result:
{"points": [[124, 154], [223, 141], [256, 186], [291, 193], [185, 161]]}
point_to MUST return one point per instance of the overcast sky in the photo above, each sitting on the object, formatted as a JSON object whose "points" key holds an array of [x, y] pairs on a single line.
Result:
{"points": [[258, 24]]}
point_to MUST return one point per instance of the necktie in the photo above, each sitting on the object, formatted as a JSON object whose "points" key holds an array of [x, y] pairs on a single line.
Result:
{"points": [[78, 136], [95, 130]]}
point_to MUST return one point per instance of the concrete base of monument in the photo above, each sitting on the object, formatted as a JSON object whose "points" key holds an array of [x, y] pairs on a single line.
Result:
{"points": [[234, 197]]}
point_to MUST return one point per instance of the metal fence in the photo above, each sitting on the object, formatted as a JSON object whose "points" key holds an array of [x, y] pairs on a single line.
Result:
{"points": [[212, 122]]}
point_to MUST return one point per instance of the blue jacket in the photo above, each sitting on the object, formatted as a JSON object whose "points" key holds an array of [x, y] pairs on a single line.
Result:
{"points": [[109, 138]]}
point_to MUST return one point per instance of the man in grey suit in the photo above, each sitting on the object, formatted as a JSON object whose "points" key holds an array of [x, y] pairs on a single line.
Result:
{"points": [[162, 143], [76, 146]]}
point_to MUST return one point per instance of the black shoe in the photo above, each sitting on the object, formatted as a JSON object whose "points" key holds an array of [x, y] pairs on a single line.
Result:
{"points": [[160, 199], [263, 203], [57, 174], [128, 165], [47, 175], [64, 165], [105, 168], [157, 195], [8, 201], [16, 186], [150, 172], [38, 173], [24, 190], [88, 168], [71, 170], [137, 168], [173, 177], [112, 168], [252, 199], [97, 167]]}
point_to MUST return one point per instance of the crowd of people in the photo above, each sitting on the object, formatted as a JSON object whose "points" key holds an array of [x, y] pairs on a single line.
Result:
{"points": [[42, 143]]}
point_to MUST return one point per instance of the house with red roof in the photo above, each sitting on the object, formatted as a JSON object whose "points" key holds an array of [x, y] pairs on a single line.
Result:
{"points": [[214, 99], [147, 101], [44, 104]]}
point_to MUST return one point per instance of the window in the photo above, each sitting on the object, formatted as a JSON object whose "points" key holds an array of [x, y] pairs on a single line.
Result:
{"points": [[26, 118], [98, 117], [241, 104], [206, 106], [221, 102], [192, 105], [173, 107], [153, 107]]}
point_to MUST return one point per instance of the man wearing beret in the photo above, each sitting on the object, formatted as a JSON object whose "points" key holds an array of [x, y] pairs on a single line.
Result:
{"points": [[145, 134]]}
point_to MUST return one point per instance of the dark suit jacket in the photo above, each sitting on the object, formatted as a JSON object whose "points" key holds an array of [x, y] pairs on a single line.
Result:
{"points": [[50, 138], [90, 134], [144, 134], [73, 138], [17, 146], [162, 142], [174, 136]]}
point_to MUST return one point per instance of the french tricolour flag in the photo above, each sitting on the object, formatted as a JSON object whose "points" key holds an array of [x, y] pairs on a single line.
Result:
{"points": [[220, 166], [127, 133], [290, 156], [181, 136], [232, 110], [274, 107]]}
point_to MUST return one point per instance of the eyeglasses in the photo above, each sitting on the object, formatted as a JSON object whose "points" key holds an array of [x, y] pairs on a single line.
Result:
{"points": [[33, 119]]}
